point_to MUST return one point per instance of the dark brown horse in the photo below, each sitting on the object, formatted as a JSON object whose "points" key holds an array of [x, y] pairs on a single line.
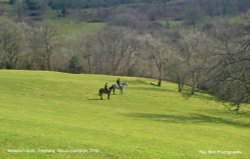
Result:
{"points": [[105, 91]]}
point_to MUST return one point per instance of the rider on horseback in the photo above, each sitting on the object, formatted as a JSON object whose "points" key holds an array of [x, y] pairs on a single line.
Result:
{"points": [[118, 82], [106, 87]]}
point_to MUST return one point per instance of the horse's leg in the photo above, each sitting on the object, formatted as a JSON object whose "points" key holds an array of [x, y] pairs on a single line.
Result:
{"points": [[108, 95], [121, 90], [113, 90], [101, 97]]}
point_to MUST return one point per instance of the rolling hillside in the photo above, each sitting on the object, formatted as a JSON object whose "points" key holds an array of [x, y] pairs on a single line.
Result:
{"points": [[48, 110]]}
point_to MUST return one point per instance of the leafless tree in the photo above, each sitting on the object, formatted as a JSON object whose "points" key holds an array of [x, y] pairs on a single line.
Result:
{"points": [[11, 44], [42, 43], [84, 46], [115, 47], [178, 71], [197, 48], [160, 52], [230, 78]]}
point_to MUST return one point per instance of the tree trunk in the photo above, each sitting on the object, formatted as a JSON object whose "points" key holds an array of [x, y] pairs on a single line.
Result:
{"points": [[179, 87], [237, 108], [159, 82], [89, 65], [48, 63], [179, 84], [160, 76], [193, 82]]}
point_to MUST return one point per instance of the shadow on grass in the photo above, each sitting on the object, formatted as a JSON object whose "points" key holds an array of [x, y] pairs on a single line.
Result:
{"points": [[186, 95], [205, 96], [94, 99], [188, 119], [153, 89], [139, 81]]}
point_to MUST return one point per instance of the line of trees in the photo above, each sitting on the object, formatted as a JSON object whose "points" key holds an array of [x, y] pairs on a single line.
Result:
{"points": [[214, 59], [197, 9], [189, 10]]}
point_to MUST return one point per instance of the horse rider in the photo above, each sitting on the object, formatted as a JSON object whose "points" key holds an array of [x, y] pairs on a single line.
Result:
{"points": [[118, 82], [106, 87]]}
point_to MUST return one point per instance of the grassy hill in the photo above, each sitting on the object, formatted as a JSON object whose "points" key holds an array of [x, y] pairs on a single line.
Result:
{"points": [[67, 26], [48, 110]]}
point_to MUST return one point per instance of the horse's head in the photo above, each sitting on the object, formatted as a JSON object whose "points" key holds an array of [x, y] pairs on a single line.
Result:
{"points": [[125, 84]]}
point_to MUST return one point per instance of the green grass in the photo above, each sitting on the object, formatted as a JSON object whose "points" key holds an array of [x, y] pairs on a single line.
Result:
{"points": [[173, 25], [68, 26], [49, 110]]}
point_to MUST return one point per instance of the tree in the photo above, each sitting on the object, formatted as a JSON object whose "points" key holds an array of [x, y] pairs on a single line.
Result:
{"points": [[34, 8], [74, 65], [115, 47], [84, 47], [193, 12], [12, 1], [160, 52], [47, 35], [197, 48], [11, 44], [230, 78], [64, 12], [178, 71], [42, 41]]}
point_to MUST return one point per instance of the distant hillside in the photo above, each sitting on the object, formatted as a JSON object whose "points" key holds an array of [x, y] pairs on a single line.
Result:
{"points": [[188, 10]]}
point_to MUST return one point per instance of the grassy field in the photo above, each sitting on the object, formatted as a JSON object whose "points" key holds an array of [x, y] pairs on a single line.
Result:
{"points": [[67, 26], [49, 110]]}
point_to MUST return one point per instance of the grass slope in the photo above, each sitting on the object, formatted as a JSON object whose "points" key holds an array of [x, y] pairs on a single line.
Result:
{"points": [[69, 26], [48, 110]]}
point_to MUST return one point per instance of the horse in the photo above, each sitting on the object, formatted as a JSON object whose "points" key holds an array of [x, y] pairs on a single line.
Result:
{"points": [[122, 85], [104, 91]]}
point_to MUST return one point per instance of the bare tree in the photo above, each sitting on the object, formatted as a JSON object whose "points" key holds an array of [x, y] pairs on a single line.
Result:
{"points": [[230, 78], [84, 46], [178, 71], [197, 48], [42, 43], [11, 44], [115, 47], [160, 52]]}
